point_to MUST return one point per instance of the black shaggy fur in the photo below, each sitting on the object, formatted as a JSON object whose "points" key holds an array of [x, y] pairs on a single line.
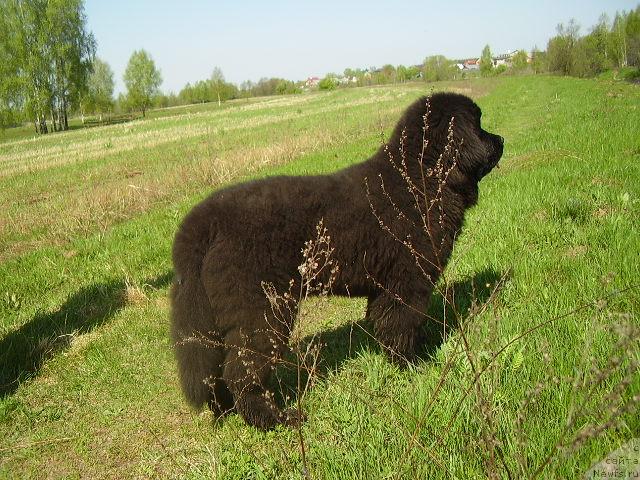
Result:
{"points": [[254, 232]]}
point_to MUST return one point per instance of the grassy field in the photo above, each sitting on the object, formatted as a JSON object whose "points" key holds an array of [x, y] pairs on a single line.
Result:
{"points": [[87, 380]]}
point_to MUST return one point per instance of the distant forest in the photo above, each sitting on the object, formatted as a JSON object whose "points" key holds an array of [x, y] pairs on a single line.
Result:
{"points": [[49, 69]]}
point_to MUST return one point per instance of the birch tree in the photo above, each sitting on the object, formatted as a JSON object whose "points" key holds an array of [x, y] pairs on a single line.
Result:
{"points": [[142, 80]]}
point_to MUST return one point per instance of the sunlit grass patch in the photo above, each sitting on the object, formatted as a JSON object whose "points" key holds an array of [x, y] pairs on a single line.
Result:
{"points": [[88, 377]]}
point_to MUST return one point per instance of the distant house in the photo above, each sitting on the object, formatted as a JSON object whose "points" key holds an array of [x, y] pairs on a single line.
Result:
{"points": [[503, 58], [347, 80], [507, 58], [312, 82], [469, 64]]}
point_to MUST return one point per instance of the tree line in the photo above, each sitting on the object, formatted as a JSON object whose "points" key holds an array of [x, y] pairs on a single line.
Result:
{"points": [[610, 44], [216, 89], [49, 70], [46, 54]]}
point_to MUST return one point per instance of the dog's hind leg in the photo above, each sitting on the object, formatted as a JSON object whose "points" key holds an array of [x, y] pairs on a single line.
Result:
{"points": [[253, 353], [200, 357], [199, 349]]}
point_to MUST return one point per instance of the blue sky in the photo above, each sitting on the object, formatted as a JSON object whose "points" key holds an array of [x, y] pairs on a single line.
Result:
{"points": [[281, 38]]}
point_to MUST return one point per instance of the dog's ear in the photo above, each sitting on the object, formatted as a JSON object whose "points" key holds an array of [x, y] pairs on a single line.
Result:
{"points": [[443, 126], [421, 133], [453, 123]]}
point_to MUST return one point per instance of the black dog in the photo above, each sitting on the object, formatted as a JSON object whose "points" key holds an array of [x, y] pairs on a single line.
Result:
{"points": [[251, 233]]}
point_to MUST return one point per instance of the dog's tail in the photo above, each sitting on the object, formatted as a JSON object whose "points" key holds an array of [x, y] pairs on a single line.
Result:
{"points": [[198, 350]]}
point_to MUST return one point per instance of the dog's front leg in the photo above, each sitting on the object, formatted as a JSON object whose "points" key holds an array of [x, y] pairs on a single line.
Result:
{"points": [[398, 326]]}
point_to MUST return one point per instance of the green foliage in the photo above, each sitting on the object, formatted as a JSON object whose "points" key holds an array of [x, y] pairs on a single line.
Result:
{"points": [[561, 49], [269, 86], [11, 99], [438, 67], [486, 61], [624, 39], [519, 61], [142, 80], [538, 60], [413, 72], [402, 73], [630, 74], [264, 87], [500, 69], [608, 45], [618, 41], [164, 100], [218, 84], [328, 83], [286, 87], [386, 75], [72, 54], [214, 89], [199, 92], [46, 53], [122, 103], [99, 98], [362, 77], [632, 38]]}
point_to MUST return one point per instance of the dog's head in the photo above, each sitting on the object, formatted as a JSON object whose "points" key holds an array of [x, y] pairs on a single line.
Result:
{"points": [[451, 120]]}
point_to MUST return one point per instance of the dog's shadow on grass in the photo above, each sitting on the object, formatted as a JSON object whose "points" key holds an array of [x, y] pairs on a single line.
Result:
{"points": [[340, 344], [24, 350]]}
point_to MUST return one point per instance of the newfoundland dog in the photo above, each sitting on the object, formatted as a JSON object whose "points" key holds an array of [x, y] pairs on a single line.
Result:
{"points": [[392, 222]]}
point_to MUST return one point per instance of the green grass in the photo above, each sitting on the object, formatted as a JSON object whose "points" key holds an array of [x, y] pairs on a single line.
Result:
{"points": [[88, 379]]}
